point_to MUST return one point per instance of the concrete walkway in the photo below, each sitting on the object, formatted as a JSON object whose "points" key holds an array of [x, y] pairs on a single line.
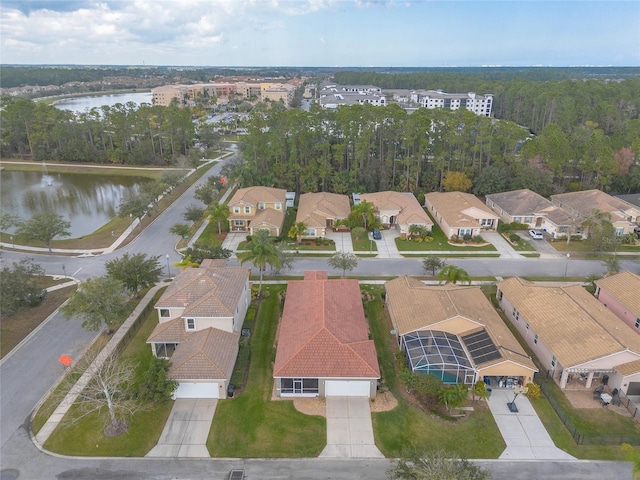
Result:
{"points": [[342, 240], [502, 246], [349, 429], [523, 432], [187, 428], [387, 247], [232, 240]]}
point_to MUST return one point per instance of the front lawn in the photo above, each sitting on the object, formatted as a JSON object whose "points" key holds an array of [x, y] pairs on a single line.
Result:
{"points": [[407, 425], [439, 243], [252, 425], [363, 244], [585, 246], [85, 437]]}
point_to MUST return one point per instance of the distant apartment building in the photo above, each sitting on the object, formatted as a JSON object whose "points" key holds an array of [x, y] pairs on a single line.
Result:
{"points": [[478, 104], [333, 96]]}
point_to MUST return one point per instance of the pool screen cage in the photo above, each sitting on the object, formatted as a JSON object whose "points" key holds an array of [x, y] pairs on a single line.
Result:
{"points": [[440, 354]]}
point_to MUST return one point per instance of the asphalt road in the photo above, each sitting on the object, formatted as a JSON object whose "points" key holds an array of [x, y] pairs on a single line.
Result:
{"points": [[28, 373]]}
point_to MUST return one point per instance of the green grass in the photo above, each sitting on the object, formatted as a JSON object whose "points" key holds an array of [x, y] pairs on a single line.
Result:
{"points": [[85, 437], [252, 425], [408, 426], [363, 244], [584, 246]]}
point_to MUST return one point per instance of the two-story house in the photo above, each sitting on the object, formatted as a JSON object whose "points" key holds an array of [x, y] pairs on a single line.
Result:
{"points": [[257, 208], [200, 319]]}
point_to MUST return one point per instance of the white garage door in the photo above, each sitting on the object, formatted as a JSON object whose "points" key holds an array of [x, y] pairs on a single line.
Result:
{"points": [[197, 390], [346, 388]]}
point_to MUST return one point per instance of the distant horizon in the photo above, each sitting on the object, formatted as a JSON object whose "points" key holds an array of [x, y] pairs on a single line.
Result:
{"points": [[124, 65], [324, 33]]}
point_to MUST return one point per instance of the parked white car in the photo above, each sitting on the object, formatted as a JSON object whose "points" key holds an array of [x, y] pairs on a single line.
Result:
{"points": [[536, 235]]}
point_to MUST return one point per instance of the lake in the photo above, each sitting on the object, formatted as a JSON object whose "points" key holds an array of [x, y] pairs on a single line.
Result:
{"points": [[87, 201], [80, 104]]}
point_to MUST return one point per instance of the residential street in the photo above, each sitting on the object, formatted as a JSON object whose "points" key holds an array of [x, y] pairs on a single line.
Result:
{"points": [[28, 373]]}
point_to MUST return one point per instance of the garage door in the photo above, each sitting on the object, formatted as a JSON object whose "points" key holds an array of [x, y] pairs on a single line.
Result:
{"points": [[346, 388], [197, 390]]}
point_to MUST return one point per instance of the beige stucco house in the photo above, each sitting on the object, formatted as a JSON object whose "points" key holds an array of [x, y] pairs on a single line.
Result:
{"points": [[398, 210], [320, 211], [257, 208], [535, 211], [323, 346], [574, 336], [200, 318], [454, 332], [460, 213]]}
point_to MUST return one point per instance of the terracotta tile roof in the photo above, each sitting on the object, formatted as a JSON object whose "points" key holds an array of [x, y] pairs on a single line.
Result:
{"points": [[410, 212], [587, 201], [625, 287], [208, 291], [323, 332], [172, 331], [255, 195], [268, 216], [416, 306], [522, 202], [459, 209], [573, 324], [315, 208], [628, 368], [208, 354]]}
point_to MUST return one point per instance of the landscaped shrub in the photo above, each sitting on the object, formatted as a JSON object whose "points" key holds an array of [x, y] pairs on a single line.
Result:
{"points": [[248, 238], [467, 237], [533, 390], [519, 226], [504, 227], [514, 237], [478, 239]]}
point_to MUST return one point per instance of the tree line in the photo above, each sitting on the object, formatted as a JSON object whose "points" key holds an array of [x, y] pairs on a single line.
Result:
{"points": [[367, 149]]}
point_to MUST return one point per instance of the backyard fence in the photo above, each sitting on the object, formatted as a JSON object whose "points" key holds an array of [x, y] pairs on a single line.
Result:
{"points": [[589, 439]]}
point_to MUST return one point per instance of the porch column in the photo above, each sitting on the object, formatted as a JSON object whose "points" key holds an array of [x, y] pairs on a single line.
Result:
{"points": [[563, 379], [589, 380]]}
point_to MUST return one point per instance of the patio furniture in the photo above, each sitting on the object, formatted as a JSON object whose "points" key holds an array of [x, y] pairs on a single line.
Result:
{"points": [[597, 392], [605, 399]]}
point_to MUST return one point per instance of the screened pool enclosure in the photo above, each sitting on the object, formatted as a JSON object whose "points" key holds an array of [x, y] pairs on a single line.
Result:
{"points": [[443, 354]]}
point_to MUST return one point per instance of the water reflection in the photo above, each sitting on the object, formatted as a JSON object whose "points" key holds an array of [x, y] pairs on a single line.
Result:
{"points": [[87, 201]]}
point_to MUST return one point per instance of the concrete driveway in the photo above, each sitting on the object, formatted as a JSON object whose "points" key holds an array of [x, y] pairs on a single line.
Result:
{"points": [[187, 428], [349, 429]]}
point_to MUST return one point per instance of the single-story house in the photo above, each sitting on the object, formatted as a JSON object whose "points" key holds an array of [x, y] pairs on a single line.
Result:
{"points": [[200, 318], [398, 210], [460, 214], [624, 215], [257, 208], [572, 334], [454, 332], [319, 211], [620, 293], [532, 209], [323, 344]]}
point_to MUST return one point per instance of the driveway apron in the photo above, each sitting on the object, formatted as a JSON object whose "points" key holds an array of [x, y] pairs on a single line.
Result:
{"points": [[502, 246], [187, 428], [523, 432], [349, 429], [342, 240]]}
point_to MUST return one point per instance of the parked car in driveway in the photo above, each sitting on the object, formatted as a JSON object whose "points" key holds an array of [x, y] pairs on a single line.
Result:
{"points": [[376, 234], [536, 235]]}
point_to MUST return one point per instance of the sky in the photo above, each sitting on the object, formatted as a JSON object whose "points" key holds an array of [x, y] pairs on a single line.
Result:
{"points": [[330, 33]]}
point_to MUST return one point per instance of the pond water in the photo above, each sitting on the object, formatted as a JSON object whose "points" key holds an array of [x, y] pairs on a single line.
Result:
{"points": [[87, 201], [80, 104]]}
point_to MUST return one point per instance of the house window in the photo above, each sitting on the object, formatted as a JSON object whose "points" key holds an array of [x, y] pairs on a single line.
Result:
{"points": [[236, 209], [238, 223], [310, 232], [191, 324], [298, 386], [465, 231], [527, 326], [528, 219], [278, 206], [619, 231], [487, 222], [637, 324], [517, 219], [553, 361], [247, 209], [164, 313], [261, 206], [535, 339]]}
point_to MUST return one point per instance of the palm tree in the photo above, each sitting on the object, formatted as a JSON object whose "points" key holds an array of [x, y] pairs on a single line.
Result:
{"points": [[262, 252], [219, 212], [297, 231], [453, 274]]}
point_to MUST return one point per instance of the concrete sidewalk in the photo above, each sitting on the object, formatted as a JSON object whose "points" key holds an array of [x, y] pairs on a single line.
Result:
{"points": [[523, 432], [187, 428]]}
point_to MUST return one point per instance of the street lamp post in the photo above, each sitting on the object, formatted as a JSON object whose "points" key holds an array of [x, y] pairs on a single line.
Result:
{"points": [[64, 271], [566, 265], [168, 269], [370, 242], [13, 245]]}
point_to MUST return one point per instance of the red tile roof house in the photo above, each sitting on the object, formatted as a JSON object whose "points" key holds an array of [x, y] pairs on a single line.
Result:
{"points": [[398, 210], [323, 341], [200, 318], [620, 293], [257, 208], [320, 211]]}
